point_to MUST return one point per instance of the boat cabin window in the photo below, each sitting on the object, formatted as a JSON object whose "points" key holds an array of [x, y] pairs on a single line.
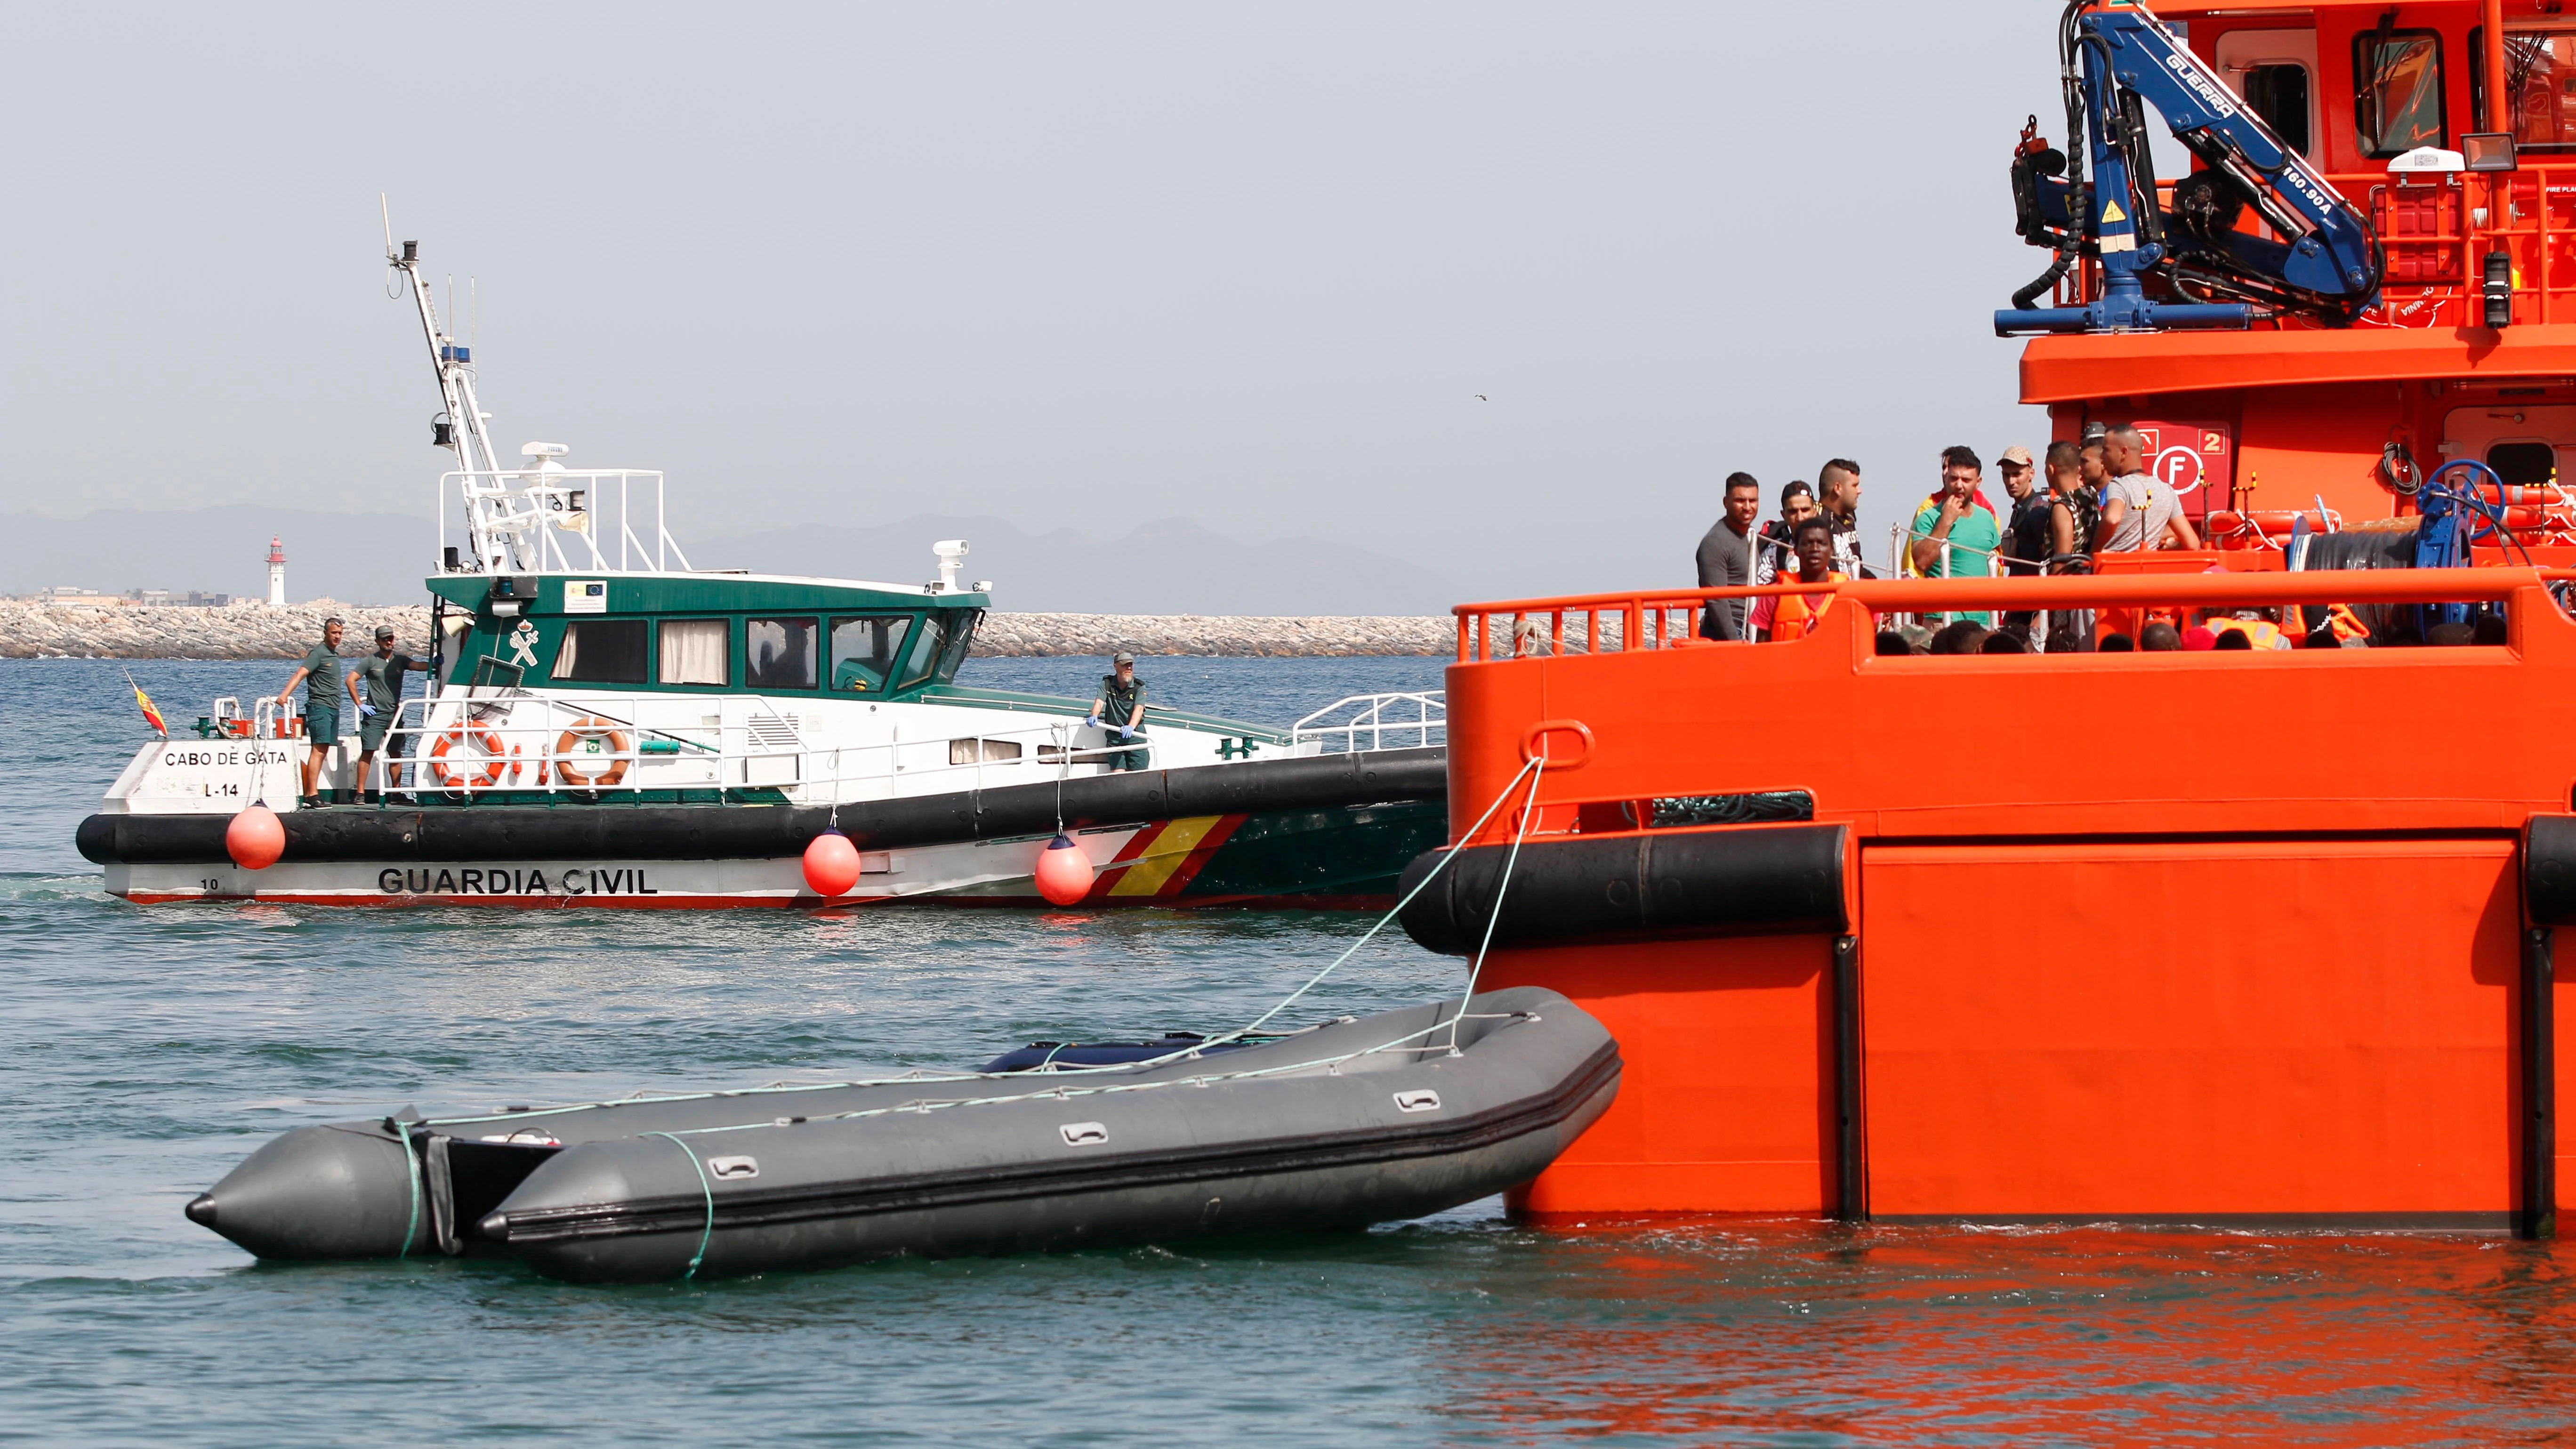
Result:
{"points": [[968, 752], [2397, 99], [602, 651], [2523, 463], [491, 673], [921, 656], [779, 653], [2539, 80], [2276, 72], [959, 627], [694, 651], [865, 648], [2278, 92]]}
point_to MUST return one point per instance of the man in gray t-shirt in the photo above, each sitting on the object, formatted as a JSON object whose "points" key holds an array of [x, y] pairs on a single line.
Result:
{"points": [[2139, 511], [319, 670], [1726, 558]]}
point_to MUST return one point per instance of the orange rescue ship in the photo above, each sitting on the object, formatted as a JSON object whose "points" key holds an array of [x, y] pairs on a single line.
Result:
{"points": [[2212, 936]]}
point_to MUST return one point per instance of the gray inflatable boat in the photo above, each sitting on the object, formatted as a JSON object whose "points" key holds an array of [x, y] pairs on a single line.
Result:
{"points": [[1358, 1121]]}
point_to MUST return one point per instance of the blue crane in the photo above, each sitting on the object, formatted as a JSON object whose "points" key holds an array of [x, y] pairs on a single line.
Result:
{"points": [[2116, 59]]}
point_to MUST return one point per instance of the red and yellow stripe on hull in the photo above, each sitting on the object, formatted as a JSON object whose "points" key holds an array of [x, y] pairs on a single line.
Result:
{"points": [[1161, 860]]}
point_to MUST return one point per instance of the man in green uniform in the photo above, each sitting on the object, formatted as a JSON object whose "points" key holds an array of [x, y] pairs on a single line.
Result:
{"points": [[320, 671], [1120, 710], [379, 702]]}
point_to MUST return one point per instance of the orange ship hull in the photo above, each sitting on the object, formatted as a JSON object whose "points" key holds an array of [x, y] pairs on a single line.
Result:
{"points": [[2190, 936]]}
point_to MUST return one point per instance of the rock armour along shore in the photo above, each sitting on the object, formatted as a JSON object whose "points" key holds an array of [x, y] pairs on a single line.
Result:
{"points": [[29, 630]]}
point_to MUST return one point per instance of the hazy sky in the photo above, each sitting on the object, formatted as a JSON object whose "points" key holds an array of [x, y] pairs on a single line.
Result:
{"points": [[1071, 264]]}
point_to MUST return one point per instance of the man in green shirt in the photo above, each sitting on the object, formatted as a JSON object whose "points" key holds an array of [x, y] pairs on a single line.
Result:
{"points": [[1120, 710], [1956, 532], [376, 687], [320, 671]]}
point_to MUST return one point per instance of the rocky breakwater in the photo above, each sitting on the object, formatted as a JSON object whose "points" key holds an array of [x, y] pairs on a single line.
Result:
{"points": [[241, 631], [31, 630], [1028, 634]]}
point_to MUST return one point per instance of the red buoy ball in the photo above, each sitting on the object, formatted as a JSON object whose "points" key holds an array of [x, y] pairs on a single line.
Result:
{"points": [[1064, 873], [255, 838], [831, 863]]}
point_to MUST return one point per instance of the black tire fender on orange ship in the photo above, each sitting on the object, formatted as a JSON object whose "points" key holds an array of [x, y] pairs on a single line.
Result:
{"points": [[1744, 880]]}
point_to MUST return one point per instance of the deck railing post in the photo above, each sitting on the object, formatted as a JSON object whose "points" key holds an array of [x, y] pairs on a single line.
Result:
{"points": [[2536, 1208]]}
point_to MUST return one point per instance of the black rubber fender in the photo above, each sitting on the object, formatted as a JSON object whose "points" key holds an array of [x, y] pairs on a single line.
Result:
{"points": [[2549, 870], [769, 832], [1759, 880]]}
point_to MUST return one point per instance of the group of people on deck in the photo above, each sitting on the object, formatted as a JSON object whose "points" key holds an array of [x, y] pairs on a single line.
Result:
{"points": [[2096, 498]]}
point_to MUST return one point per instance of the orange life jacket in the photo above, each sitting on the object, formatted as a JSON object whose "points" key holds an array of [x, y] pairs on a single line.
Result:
{"points": [[1793, 616], [2259, 633]]}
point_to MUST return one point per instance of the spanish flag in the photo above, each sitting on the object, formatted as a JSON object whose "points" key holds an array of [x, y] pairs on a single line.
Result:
{"points": [[151, 714]]}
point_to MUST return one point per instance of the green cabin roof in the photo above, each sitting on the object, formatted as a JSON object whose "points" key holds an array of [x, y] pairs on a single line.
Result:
{"points": [[709, 633]]}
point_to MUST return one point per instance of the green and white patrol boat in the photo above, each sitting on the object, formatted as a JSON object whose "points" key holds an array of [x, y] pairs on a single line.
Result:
{"points": [[605, 725]]}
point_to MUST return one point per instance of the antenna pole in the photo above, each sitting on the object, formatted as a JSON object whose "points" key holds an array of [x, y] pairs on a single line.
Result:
{"points": [[485, 491]]}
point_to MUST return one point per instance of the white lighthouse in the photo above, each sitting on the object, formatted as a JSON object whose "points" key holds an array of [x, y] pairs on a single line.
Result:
{"points": [[276, 572]]}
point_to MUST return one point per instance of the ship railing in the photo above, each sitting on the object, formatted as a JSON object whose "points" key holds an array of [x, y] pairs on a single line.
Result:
{"points": [[271, 718], [2435, 230], [474, 742], [1410, 719], [549, 520], [1627, 622], [1026, 755], [1900, 540]]}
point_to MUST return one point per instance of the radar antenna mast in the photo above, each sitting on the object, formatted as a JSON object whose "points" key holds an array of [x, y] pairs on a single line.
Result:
{"points": [[486, 486]]}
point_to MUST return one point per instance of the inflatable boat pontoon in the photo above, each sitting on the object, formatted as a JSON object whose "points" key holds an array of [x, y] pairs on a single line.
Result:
{"points": [[1358, 1121]]}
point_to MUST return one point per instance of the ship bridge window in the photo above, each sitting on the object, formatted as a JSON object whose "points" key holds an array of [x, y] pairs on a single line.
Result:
{"points": [[958, 630], [602, 651], [865, 648], [694, 651], [2397, 93], [2539, 79], [2523, 463], [2279, 94], [779, 653], [921, 656]]}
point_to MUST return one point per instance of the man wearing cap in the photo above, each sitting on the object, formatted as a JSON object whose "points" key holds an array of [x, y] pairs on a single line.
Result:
{"points": [[2026, 526], [381, 674], [319, 671], [1120, 710]]}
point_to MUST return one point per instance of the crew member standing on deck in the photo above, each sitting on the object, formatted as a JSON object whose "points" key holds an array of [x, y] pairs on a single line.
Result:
{"points": [[1120, 710], [1726, 557], [320, 671], [376, 687]]}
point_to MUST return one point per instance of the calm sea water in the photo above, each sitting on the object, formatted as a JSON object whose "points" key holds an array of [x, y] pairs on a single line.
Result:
{"points": [[142, 1052]]}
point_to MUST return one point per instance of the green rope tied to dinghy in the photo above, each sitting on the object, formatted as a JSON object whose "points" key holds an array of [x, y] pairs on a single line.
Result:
{"points": [[706, 1187], [411, 1171]]}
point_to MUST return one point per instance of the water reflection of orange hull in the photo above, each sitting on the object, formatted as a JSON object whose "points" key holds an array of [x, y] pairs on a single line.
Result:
{"points": [[1768, 1331]]}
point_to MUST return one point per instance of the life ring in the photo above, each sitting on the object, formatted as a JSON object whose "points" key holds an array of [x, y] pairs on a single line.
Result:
{"points": [[593, 731], [497, 761]]}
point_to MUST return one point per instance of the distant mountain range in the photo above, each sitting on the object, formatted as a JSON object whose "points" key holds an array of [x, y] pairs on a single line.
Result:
{"points": [[1167, 566]]}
